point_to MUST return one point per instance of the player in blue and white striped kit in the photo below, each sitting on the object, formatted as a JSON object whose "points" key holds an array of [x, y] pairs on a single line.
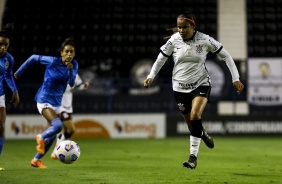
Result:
{"points": [[60, 71], [6, 73]]}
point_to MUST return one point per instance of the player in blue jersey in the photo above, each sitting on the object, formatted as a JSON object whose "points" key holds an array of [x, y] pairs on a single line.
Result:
{"points": [[67, 112], [60, 71], [190, 79], [6, 73]]}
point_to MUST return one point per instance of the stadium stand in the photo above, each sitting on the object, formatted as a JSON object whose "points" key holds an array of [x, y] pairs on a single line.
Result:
{"points": [[111, 36]]}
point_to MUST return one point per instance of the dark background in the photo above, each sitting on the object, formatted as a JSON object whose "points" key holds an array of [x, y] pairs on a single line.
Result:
{"points": [[112, 36]]}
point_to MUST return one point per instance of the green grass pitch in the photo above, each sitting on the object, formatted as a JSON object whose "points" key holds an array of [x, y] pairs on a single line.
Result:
{"points": [[234, 160]]}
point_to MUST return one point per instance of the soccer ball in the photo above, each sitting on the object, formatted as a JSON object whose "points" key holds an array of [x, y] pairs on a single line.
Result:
{"points": [[68, 151]]}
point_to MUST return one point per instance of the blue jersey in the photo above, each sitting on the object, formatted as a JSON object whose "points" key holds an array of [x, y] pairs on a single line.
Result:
{"points": [[6, 67], [56, 78]]}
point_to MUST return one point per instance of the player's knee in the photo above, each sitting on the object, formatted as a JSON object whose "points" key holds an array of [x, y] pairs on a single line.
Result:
{"points": [[195, 115]]}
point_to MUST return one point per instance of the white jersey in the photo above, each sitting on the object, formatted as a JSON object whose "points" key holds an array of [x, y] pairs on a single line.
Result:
{"points": [[189, 71], [67, 97]]}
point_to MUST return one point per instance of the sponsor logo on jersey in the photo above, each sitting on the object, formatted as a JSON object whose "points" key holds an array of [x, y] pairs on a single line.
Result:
{"points": [[187, 85], [168, 44]]}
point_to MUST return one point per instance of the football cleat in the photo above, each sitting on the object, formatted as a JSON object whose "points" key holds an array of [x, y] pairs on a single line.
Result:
{"points": [[208, 140], [38, 164], [191, 162], [2, 169], [40, 145]]}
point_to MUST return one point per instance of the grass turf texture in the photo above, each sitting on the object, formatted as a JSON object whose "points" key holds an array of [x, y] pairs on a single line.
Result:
{"points": [[234, 160]]}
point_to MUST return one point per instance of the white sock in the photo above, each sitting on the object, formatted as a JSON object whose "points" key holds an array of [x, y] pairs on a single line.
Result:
{"points": [[40, 137], [194, 145], [62, 138], [58, 141]]}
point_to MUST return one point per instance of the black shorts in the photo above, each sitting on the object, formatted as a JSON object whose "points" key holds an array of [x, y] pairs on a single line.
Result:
{"points": [[184, 100]]}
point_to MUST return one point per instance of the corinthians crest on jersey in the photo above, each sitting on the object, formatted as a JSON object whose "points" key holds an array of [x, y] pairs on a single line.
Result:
{"points": [[199, 48]]}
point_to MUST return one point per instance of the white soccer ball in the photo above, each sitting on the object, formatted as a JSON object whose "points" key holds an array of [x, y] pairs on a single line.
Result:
{"points": [[68, 151]]}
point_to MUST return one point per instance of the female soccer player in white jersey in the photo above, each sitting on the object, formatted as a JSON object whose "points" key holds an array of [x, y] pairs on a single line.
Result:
{"points": [[60, 71], [6, 73], [67, 111], [190, 79]]}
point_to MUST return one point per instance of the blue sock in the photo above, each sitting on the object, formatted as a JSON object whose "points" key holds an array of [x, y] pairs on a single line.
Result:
{"points": [[38, 156], [56, 127], [48, 143], [2, 140]]}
